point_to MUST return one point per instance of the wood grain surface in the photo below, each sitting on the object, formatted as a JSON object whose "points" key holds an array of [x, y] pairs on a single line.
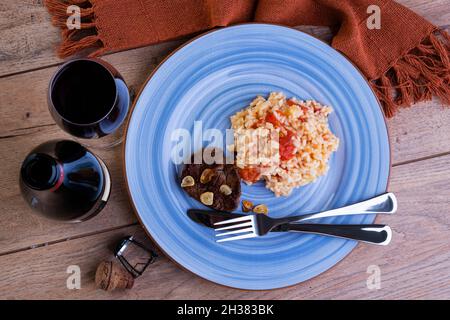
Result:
{"points": [[35, 253], [415, 265]]}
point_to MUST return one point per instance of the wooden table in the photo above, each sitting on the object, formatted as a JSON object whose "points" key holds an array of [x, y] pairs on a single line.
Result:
{"points": [[35, 253]]}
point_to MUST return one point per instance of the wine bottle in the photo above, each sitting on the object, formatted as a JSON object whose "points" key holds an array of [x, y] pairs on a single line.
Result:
{"points": [[63, 180]]}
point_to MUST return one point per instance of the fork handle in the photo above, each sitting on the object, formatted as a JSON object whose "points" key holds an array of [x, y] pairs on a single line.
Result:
{"points": [[370, 233]]}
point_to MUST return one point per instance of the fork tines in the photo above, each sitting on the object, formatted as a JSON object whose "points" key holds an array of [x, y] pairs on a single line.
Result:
{"points": [[242, 228]]}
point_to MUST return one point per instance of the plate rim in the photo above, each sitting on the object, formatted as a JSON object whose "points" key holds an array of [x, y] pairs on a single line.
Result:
{"points": [[132, 108]]}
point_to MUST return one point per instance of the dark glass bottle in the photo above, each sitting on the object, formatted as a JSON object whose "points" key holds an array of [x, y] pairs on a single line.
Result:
{"points": [[63, 180]]}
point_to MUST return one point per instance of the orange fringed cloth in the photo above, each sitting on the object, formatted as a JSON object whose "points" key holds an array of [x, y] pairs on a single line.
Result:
{"points": [[405, 61]]}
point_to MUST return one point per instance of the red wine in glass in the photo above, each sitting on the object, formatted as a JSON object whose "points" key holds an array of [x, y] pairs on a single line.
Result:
{"points": [[63, 180], [88, 98]]}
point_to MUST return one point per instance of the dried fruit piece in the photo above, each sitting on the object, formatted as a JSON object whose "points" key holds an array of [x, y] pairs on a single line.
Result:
{"points": [[247, 205], [207, 198], [206, 176], [225, 189], [261, 208], [187, 181]]}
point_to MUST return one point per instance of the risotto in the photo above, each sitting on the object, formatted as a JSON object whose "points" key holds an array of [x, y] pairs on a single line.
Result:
{"points": [[285, 142]]}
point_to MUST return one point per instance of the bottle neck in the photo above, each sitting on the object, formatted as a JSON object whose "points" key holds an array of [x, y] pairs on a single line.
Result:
{"points": [[41, 172]]}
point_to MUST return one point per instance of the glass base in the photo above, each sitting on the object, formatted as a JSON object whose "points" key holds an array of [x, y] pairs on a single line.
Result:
{"points": [[107, 142]]}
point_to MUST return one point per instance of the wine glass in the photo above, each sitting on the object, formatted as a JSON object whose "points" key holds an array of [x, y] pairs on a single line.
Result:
{"points": [[88, 98]]}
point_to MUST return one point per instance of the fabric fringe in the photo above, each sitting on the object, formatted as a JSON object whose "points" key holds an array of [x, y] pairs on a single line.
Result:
{"points": [[75, 40], [418, 75]]}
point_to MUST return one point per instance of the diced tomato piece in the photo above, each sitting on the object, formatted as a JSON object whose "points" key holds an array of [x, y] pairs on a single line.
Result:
{"points": [[286, 138], [287, 148], [270, 117], [287, 152], [290, 103], [250, 174]]}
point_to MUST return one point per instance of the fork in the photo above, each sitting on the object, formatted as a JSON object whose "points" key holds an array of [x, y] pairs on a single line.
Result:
{"points": [[258, 225]]}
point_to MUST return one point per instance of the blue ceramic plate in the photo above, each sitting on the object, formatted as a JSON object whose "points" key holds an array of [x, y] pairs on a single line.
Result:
{"points": [[211, 78]]}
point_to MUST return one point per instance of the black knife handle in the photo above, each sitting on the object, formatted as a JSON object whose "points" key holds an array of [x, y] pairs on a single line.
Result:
{"points": [[372, 233]]}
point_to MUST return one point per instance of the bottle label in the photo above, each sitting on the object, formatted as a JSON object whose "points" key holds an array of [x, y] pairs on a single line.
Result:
{"points": [[60, 180]]}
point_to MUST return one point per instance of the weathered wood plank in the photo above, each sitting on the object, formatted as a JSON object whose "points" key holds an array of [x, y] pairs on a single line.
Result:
{"points": [[28, 41], [415, 133], [419, 132], [23, 98], [414, 266]]}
